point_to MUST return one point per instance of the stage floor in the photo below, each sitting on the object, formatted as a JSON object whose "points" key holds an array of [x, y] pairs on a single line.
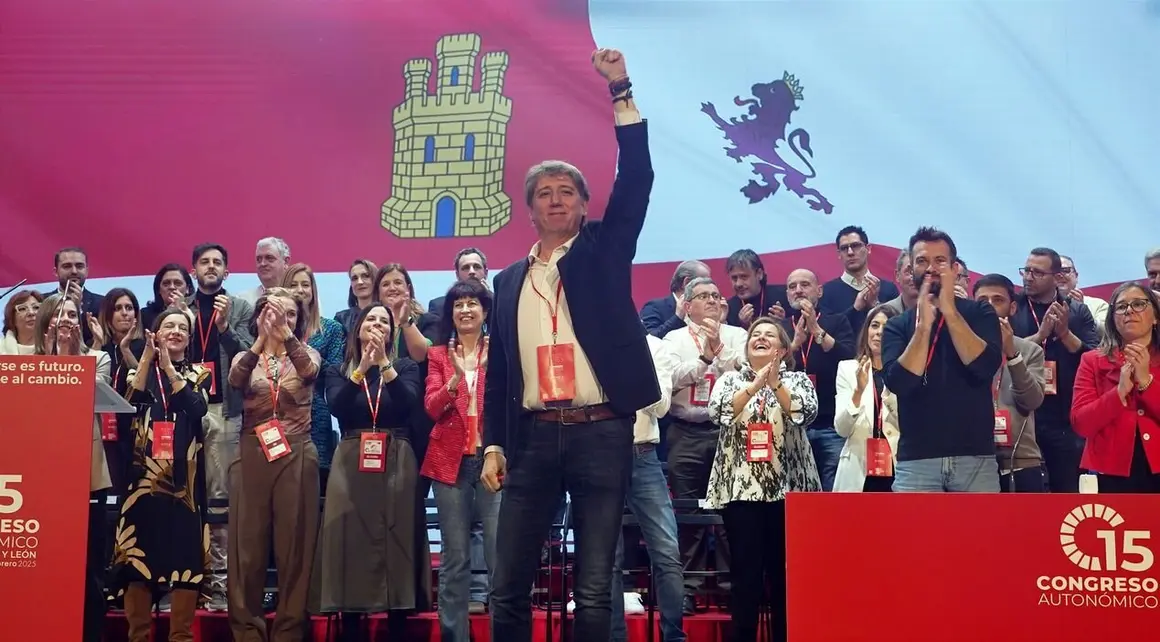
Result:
{"points": [[711, 626]]}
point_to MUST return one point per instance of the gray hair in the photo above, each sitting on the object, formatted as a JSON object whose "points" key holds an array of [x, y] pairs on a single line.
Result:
{"points": [[554, 168], [278, 244], [903, 259], [685, 271], [1152, 255], [694, 283]]}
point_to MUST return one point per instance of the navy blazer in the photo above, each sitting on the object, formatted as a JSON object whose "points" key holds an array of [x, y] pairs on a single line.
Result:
{"points": [[660, 316], [597, 275]]}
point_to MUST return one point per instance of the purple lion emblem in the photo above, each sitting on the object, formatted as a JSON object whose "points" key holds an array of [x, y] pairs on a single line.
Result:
{"points": [[758, 133]]}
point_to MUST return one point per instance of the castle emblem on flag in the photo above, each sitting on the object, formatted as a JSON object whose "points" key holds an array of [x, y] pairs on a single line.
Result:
{"points": [[447, 176]]}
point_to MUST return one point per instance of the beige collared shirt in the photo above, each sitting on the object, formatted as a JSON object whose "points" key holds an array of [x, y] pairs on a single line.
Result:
{"points": [[534, 316], [849, 280]]}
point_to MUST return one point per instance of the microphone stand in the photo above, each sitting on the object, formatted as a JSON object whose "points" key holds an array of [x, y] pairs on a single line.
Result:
{"points": [[13, 288]]}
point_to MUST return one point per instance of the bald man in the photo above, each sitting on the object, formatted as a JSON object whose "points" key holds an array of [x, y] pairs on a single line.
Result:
{"points": [[820, 341]]}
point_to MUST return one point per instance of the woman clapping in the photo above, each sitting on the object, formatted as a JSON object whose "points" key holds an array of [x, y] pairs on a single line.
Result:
{"points": [[367, 547], [161, 535], [762, 454], [275, 479]]}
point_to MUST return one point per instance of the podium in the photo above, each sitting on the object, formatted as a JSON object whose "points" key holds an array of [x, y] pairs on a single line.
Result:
{"points": [[919, 567], [47, 406]]}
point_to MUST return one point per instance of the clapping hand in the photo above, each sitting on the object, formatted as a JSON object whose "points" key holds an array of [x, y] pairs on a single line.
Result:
{"points": [[458, 358], [150, 349], [1008, 336], [747, 313], [373, 350], [1140, 359], [483, 354], [221, 308], [799, 333], [776, 311], [712, 329], [862, 375], [868, 295], [1058, 313], [1126, 383], [96, 329], [163, 359], [926, 304], [128, 338], [946, 294]]}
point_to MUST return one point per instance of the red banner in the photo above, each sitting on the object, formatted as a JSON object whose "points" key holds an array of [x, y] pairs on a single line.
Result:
{"points": [[46, 436], [971, 567]]}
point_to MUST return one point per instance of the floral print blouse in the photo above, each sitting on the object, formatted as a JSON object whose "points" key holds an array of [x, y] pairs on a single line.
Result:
{"points": [[734, 478]]}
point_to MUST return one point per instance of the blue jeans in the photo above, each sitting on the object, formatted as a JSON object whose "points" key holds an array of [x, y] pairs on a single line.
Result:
{"points": [[456, 505], [648, 499], [592, 463], [827, 446], [479, 580], [972, 474]]}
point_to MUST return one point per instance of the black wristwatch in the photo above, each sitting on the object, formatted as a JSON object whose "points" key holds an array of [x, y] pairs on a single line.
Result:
{"points": [[705, 359]]}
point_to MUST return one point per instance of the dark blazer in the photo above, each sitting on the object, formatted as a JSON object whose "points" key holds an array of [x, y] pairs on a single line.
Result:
{"points": [[659, 316], [435, 307], [596, 273]]}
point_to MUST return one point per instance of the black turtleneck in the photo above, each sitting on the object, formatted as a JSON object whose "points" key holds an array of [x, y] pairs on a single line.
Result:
{"points": [[205, 344]]}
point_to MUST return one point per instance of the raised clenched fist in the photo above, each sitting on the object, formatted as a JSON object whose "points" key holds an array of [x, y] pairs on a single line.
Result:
{"points": [[610, 64]]}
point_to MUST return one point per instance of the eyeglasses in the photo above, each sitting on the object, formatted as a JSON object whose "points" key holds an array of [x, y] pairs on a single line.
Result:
{"points": [[851, 247], [1135, 305], [1034, 273], [711, 296], [28, 307]]}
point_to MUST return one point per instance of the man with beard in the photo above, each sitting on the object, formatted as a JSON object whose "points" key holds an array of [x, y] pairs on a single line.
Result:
{"points": [[752, 296], [220, 331], [1065, 329], [940, 359], [820, 341], [857, 291], [71, 266]]}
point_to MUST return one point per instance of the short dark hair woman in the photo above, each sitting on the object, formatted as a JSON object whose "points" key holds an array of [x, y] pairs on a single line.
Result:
{"points": [[160, 541]]}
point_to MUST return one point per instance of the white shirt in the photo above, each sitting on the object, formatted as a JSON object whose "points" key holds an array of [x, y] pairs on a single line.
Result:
{"points": [[646, 430], [1099, 309], [693, 379]]}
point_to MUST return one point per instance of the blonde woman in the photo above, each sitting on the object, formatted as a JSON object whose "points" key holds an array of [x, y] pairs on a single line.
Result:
{"points": [[866, 410], [59, 332], [763, 453], [327, 337]]}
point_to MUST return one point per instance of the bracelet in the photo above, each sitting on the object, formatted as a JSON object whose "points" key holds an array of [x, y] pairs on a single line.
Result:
{"points": [[357, 376], [627, 96], [1144, 387], [619, 86]]}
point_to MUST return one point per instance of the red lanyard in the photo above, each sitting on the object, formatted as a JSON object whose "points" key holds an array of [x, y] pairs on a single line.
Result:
{"points": [[553, 310], [161, 388], [930, 351], [809, 344], [274, 381], [374, 407], [205, 331]]}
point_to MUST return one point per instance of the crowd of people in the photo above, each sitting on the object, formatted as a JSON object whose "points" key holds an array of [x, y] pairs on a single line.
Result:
{"points": [[501, 396]]}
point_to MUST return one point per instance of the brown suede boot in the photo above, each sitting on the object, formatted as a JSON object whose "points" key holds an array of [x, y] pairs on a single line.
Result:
{"points": [[182, 611], [138, 611]]}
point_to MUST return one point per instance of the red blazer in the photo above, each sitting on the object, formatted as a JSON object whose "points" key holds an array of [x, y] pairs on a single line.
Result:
{"points": [[1109, 427], [445, 450]]}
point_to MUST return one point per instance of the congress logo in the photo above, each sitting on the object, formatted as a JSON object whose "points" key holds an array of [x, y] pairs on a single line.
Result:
{"points": [[447, 175], [1114, 562], [757, 133]]}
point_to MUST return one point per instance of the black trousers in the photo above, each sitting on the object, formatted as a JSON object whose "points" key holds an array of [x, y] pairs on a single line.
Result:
{"points": [[1061, 450], [591, 462], [1141, 479], [691, 450], [757, 534], [96, 565]]}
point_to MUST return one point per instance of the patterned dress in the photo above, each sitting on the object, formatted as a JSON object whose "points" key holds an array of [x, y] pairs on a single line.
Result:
{"points": [[162, 534], [329, 342], [734, 478]]}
